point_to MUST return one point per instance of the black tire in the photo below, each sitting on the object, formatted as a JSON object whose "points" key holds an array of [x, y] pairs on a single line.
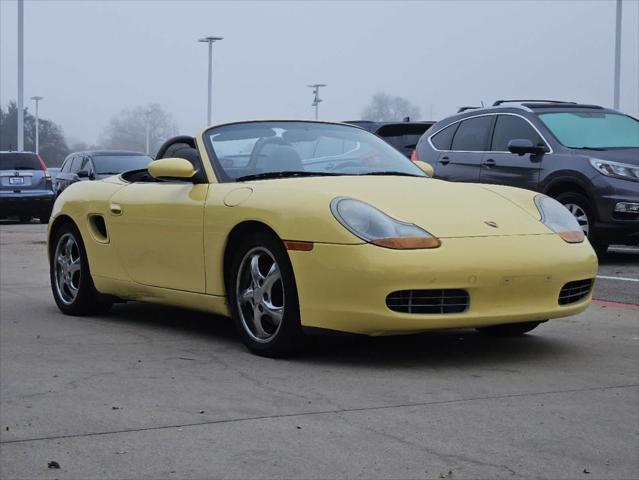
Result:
{"points": [[509, 329], [574, 200], [87, 300], [266, 336]]}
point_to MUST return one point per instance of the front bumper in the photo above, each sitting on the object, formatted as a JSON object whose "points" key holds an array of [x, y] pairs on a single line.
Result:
{"points": [[616, 226], [510, 279], [26, 203]]}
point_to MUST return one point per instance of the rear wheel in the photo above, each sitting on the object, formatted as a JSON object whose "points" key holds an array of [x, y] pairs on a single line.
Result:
{"points": [[263, 296], [71, 281], [509, 329], [583, 212]]}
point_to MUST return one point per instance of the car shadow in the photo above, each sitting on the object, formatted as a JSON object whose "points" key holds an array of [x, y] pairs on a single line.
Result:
{"points": [[440, 348]]}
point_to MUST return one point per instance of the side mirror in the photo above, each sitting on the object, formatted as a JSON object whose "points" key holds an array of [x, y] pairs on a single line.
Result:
{"points": [[167, 168], [83, 174], [427, 168], [522, 146]]}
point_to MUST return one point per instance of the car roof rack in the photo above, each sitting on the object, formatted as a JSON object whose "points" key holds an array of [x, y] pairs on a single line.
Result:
{"points": [[562, 105], [463, 109], [499, 102]]}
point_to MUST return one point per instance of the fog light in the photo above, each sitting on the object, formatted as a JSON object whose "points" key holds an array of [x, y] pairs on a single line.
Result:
{"points": [[627, 207]]}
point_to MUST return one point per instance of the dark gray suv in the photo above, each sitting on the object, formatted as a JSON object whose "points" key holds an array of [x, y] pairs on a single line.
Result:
{"points": [[585, 156], [25, 187]]}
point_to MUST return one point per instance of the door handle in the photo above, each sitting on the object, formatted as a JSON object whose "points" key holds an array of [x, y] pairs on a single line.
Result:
{"points": [[444, 160], [489, 163], [115, 209]]}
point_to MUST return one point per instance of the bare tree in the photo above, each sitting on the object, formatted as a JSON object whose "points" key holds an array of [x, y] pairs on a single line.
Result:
{"points": [[128, 129], [387, 108]]}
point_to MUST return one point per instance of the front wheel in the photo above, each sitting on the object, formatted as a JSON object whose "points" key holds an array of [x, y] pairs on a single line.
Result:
{"points": [[509, 329], [263, 297], [71, 281], [583, 212]]}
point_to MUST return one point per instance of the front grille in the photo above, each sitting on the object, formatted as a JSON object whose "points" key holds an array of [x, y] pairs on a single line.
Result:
{"points": [[574, 292], [428, 301]]}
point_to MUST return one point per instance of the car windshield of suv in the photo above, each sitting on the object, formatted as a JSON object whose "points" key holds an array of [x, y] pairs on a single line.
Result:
{"points": [[256, 150], [19, 161], [595, 130], [112, 164]]}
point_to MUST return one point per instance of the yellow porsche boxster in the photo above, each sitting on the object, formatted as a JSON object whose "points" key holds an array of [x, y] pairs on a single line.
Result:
{"points": [[292, 227]]}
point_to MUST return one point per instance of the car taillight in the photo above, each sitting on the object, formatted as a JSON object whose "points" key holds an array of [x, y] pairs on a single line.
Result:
{"points": [[414, 156], [47, 177]]}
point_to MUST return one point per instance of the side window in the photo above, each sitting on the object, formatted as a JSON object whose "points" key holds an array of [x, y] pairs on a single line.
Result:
{"points": [[75, 165], [444, 138], [472, 134], [66, 166], [86, 164], [510, 127]]}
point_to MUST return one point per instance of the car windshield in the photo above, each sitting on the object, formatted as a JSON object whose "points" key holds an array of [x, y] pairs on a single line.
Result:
{"points": [[252, 150], [112, 164], [595, 130], [19, 161]]}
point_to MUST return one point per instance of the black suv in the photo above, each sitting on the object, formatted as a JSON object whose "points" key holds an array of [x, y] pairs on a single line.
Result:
{"points": [[401, 135], [585, 156]]}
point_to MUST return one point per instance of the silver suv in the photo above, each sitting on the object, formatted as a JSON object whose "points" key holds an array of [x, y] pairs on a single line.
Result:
{"points": [[25, 187]]}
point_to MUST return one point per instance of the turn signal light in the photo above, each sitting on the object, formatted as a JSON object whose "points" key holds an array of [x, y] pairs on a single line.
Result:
{"points": [[572, 237], [414, 156], [407, 243]]}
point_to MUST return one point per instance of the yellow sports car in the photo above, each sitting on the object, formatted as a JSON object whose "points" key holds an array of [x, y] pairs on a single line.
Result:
{"points": [[292, 227]]}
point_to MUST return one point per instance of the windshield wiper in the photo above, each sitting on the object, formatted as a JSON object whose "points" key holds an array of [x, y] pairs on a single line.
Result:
{"points": [[394, 172], [598, 149], [296, 173]]}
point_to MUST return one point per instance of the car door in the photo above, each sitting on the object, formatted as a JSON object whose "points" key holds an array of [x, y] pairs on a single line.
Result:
{"points": [[68, 175], [462, 162], [504, 168], [157, 230]]}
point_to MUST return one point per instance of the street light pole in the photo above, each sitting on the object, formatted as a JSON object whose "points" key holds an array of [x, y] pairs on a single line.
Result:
{"points": [[20, 75], [37, 125], [316, 99], [210, 40], [617, 55]]}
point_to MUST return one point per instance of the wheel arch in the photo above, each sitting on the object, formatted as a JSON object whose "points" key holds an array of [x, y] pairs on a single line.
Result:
{"points": [[233, 239], [59, 221]]}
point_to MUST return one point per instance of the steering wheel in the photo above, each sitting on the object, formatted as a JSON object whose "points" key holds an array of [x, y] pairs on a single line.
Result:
{"points": [[259, 146]]}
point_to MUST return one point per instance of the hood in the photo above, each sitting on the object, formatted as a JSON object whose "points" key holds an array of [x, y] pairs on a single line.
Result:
{"points": [[621, 155], [445, 209]]}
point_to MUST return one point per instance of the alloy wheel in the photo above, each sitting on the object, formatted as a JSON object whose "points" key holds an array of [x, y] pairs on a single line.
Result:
{"points": [[67, 263], [260, 294], [581, 216]]}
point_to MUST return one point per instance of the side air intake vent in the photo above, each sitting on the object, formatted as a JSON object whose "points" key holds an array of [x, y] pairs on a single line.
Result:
{"points": [[98, 228], [429, 301], [574, 292]]}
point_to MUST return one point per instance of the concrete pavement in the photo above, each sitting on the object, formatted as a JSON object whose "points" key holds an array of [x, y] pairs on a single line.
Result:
{"points": [[155, 392]]}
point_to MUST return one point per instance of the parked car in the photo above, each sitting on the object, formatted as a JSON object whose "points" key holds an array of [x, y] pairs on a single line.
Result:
{"points": [[97, 164], [585, 156], [401, 135], [294, 227], [25, 187]]}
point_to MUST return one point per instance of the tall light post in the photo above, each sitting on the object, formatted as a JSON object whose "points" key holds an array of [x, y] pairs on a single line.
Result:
{"points": [[20, 75], [210, 40], [37, 132], [617, 55], [316, 100]]}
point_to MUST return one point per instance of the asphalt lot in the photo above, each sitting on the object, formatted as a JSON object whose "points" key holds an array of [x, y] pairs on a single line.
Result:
{"points": [[155, 392]]}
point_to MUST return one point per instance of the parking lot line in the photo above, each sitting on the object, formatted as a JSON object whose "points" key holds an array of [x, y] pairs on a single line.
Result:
{"points": [[625, 306], [621, 279]]}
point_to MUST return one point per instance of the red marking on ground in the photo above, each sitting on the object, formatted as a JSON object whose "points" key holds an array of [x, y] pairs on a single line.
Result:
{"points": [[625, 306]]}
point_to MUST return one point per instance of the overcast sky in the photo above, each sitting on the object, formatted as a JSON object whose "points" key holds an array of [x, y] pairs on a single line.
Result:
{"points": [[90, 59]]}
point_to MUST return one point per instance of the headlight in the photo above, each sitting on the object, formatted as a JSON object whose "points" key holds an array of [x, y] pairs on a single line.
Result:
{"points": [[615, 169], [557, 218], [374, 226]]}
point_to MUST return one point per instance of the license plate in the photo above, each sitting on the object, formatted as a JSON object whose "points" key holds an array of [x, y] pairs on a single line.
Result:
{"points": [[16, 180]]}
